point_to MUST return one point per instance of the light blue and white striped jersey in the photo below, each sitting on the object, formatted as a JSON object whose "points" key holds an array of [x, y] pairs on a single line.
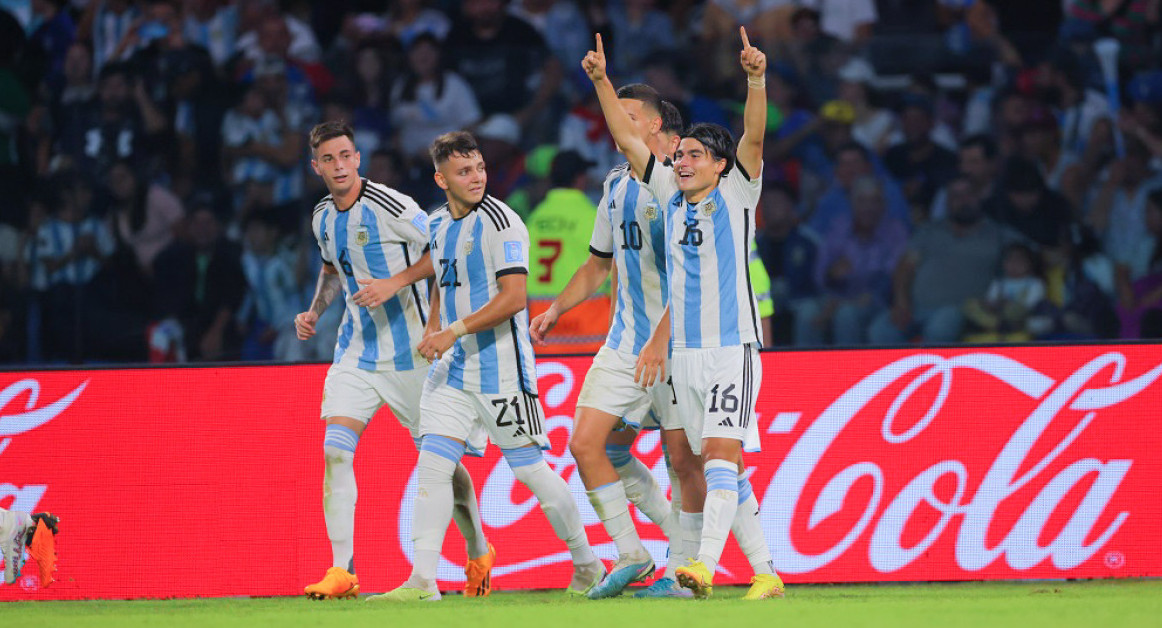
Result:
{"points": [[629, 228], [712, 300], [218, 34], [382, 234], [239, 130], [55, 239], [273, 297], [109, 29], [469, 255]]}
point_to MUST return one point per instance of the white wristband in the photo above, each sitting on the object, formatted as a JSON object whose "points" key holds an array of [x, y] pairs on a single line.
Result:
{"points": [[458, 328], [756, 82]]}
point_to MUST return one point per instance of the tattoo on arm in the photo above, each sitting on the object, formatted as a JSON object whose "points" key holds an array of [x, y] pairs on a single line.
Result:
{"points": [[325, 291]]}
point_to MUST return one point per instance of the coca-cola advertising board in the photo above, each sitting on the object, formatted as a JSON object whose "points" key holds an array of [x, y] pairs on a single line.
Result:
{"points": [[877, 465]]}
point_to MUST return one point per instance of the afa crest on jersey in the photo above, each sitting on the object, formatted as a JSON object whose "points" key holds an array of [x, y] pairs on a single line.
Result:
{"points": [[709, 206], [651, 211], [362, 236], [468, 247]]}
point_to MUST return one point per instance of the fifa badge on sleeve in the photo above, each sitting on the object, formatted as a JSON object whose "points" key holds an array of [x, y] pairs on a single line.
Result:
{"points": [[512, 252]]}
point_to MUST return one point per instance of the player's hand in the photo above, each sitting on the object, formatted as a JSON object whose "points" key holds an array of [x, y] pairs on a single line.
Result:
{"points": [[305, 325], [754, 62], [434, 346], [543, 324], [376, 292], [594, 62], [651, 363]]}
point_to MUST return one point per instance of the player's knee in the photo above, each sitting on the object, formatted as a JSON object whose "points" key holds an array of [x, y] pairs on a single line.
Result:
{"points": [[619, 455], [585, 450], [340, 441], [524, 461]]}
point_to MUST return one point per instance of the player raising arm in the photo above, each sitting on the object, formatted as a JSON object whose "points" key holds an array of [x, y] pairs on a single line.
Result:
{"points": [[484, 380], [628, 236], [708, 197], [372, 236]]}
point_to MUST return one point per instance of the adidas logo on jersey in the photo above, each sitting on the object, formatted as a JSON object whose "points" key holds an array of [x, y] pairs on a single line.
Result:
{"points": [[725, 423]]}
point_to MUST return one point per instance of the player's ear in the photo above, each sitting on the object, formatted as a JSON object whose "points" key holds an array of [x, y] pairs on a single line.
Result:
{"points": [[315, 167], [655, 125], [440, 181], [720, 166], [358, 159]]}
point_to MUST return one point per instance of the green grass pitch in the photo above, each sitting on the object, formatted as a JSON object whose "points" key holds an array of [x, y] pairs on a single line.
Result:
{"points": [[1099, 604]]}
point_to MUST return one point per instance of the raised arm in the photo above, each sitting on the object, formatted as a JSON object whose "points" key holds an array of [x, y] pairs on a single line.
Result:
{"points": [[754, 115], [620, 126]]}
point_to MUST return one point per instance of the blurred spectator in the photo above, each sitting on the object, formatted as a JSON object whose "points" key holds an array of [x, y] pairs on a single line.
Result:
{"points": [[33, 272], [948, 262], [1008, 310], [873, 127], [816, 146], [852, 162], [262, 142], [499, 138], [1040, 142], [1139, 279], [429, 100], [15, 103], [66, 253], [789, 252], [1027, 206], [164, 56], [721, 19], [268, 310], [71, 97], [850, 21], [279, 35], [978, 163], [117, 127], [856, 264], [1143, 120], [54, 35], [1118, 211], [1128, 21], [661, 73], [560, 23], [212, 25], [1031, 25], [106, 24], [200, 285], [505, 61], [144, 215], [560, 227], [815, 55], [1080, 106], [639, 30], [919, 165], [584, 130], [408, 19]]}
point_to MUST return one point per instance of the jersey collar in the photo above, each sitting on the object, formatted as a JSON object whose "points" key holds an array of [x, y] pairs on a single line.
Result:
{"points": [[362, 189]]}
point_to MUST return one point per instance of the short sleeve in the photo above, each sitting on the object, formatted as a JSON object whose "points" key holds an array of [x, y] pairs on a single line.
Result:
{"points": [[508, 247], [742, 186], [601, 242], [660, 180], [317, 228], [412, 224]]}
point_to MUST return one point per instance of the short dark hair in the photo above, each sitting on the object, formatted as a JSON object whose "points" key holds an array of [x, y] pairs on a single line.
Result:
{"points": [[716, 139], [671, 118], [330, 130], [983, 142], [640, 91], [855, 147], [455, 143]]}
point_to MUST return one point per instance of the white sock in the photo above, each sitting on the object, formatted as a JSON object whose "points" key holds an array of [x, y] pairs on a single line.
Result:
{"points": [[430, 517], [339, 495], [676, 555], [610, 505], [690, 538], [466, 513], [748, 530], [558, 505], [642, 489], [721, 504]]}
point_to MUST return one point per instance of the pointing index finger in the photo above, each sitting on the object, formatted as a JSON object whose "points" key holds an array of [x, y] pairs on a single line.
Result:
{"points": [[742, 31], [600, 47]]}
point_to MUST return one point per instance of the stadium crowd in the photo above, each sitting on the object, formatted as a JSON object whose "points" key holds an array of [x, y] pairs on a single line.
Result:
{"points": [[937, 170]]}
